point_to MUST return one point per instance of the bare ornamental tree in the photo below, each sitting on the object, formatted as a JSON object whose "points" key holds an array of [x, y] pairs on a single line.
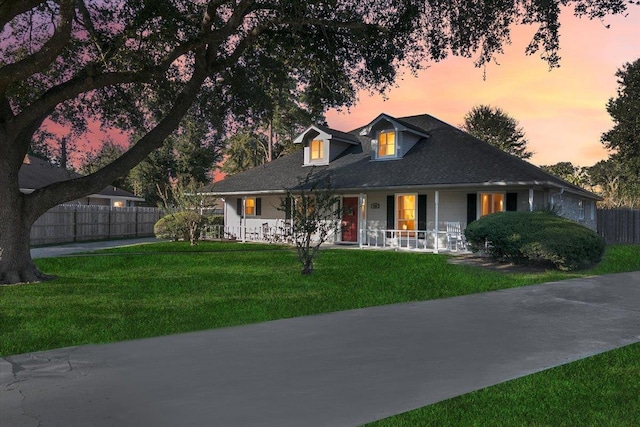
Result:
{"points": [[315, 214]]}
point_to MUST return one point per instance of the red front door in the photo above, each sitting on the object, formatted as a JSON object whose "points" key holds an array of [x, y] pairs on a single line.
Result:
{"points": [[350, 219]]}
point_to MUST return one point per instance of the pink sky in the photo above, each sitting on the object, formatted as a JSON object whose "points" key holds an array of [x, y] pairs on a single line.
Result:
{"points": [[562, 111]]}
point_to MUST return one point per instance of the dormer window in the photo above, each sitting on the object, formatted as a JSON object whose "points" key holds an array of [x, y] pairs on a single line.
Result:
{"points": [[387, 143], [391, 138], [316, 149], [322, 144]]}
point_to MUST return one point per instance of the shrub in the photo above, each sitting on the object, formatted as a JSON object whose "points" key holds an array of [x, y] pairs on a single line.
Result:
{"points": [[539, 237], [216, 220], [167, 228], [213, 228], [185, 225]]}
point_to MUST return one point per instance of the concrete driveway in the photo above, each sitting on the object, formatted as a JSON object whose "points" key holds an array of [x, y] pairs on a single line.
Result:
{"points": [[338, 369], [74, 248]]}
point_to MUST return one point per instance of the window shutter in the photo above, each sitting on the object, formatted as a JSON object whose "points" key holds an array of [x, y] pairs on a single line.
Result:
{"points": [[391, 208], [472, 207], [287, 208], [512, 201], [258, 206], [422, 211], [239, 206]]}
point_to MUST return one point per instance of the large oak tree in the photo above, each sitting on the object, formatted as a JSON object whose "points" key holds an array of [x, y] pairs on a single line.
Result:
{"points": [[141, 65]]}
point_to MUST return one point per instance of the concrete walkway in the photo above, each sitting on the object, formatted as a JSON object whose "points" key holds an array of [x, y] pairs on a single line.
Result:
{"points": [[338, 369], [75, 248]]}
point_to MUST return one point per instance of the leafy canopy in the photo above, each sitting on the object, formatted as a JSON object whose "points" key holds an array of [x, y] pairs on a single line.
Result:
{"points": [[142, 65], [623, 140]]}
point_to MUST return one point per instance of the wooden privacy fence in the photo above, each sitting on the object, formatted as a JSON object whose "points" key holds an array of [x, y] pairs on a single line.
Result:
{"points": [[619, 225], [76, 223]]}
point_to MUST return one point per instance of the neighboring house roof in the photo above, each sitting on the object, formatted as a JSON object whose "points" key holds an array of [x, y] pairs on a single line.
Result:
{"points": [[447, 158], [37, 173]]}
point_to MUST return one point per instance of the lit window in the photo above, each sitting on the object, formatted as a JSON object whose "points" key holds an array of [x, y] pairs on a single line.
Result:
{"points": [[118, 204], [491, 202], [317, 152], [387, 144], [250, 206], [406, 212]]}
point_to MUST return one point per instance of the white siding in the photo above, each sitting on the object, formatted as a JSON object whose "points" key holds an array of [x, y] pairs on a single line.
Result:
{"points": [[377, 218], [451, 208], [269, 214]]}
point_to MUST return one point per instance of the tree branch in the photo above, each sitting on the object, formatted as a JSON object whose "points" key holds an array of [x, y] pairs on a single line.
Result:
{"points": [[70, 89], [6, 113], [44, 198], [349, 25], [88, 23], [9, 9], [42, 58]]}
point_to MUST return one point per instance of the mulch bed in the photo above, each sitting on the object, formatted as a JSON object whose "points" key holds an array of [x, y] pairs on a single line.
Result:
{"points": [[476, 260]]}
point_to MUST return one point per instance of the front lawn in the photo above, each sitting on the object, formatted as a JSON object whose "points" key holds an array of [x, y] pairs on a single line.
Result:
{"points": [[160, 289], [603, 390]]}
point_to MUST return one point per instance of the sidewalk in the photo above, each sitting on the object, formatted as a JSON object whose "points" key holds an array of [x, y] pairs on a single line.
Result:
{"points": [[338, 369], [74, 248]]}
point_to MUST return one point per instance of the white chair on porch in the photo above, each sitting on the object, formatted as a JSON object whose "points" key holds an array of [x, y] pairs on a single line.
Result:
{"points": [[267, 234], [455, 238]]}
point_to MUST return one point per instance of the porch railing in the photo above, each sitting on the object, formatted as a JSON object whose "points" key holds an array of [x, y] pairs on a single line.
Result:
{"points": [[426, 240], [249, 234], [421, 240]]}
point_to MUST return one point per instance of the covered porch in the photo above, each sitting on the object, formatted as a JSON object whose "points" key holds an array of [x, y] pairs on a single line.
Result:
{"points": [[411, 219], [420, 220], [448, 239]]}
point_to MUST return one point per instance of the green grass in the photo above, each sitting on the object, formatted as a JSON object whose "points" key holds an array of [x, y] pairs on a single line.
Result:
{"points": [[159, 289], [603, 390]]}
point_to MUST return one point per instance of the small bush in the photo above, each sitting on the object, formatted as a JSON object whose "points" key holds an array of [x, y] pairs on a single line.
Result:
{"points": [[167, 228], [539, 237], [214, 227], [216, 220], [185, 225]]}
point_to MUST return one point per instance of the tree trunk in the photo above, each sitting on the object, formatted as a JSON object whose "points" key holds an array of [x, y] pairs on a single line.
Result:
{"points": [[16, 265], [308, 267]]}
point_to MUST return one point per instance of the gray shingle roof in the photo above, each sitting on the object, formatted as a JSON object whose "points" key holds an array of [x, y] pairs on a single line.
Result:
{"points": [[448, 158], [38, 173], [339, 134]]}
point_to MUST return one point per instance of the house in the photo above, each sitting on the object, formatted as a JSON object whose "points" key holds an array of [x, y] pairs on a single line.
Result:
{"points": [[36, 173], [404, 182]]}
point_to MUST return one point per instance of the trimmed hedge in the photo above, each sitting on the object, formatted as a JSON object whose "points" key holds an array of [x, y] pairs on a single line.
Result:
{"points": [[539, 237]]}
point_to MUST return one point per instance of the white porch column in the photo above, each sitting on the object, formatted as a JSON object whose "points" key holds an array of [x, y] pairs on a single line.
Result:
{"points": [[362, 220], [243, 221], [437, 202], [294, 204], [530, 199], [225, 217]]}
